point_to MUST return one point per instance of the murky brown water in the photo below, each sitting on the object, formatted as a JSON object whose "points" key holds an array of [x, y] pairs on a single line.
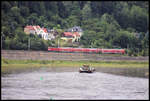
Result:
{"points": [[51, 84]]}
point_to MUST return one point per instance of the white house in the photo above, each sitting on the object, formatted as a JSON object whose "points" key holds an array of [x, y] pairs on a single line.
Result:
{"points": [[43, 32]]}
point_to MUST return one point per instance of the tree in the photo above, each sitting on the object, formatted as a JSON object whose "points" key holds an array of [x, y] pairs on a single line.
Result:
{"points": [[88, 38], [122, 14], [5, 6], [42, 10], [7, 43], [61, 9], [107, 7], [20, 34], [32, 19], [110, 20], [96, 8], [15, 11], [86, 11], [41, 21], [109, 27], [124, 39], [72, 21], [24, 11], [44, 45], [75, 8], [36, 45], [5, 31], [139, 18]]}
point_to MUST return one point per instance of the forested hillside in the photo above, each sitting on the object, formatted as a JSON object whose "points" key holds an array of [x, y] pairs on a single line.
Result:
{"points": [[106, 24]]}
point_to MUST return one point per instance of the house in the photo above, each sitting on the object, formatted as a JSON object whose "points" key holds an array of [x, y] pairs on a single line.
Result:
{"points": [[77, 32], [67, 36], [137, 35], [29, 30], [39, 31], [71, 36], [76, 29], [77, 36], [53, 33], [50, 34]]}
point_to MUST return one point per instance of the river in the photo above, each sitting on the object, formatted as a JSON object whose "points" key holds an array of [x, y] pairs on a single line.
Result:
{"points": [[51, 84]]}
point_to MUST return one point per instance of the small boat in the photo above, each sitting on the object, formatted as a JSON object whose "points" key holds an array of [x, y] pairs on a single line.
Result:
{"points": [[85, 70]]}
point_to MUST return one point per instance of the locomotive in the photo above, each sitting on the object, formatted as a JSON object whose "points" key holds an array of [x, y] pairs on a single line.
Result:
{"points": [[86, 50]]}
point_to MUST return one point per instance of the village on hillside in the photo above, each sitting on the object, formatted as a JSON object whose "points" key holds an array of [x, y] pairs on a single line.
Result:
{"points": [[70, 35]]}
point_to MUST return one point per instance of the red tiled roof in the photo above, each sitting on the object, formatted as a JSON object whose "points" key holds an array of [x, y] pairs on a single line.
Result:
{"points": [[38, 27], [45, 30], [30, 27], [71, 34], [76, 33], [68, 34]]}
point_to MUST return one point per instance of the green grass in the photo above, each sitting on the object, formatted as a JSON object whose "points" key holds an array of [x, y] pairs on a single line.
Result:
{"points": [[40, 63]]}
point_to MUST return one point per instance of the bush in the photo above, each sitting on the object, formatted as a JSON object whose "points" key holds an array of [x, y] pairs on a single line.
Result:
{"points": [[4, 61], [130, 53], [144, 53], [6, 43], [126, 51], [43, 62], [135, 54]]}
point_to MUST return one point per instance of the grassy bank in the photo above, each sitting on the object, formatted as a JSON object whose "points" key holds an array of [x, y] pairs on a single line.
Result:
{"points": [[9, 65]]}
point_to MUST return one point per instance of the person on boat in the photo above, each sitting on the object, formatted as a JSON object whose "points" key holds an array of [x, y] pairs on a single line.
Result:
{"points": [[86, 67]]}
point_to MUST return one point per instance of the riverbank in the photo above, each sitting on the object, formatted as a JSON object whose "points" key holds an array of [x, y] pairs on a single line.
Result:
{"points": [[10, 66]]}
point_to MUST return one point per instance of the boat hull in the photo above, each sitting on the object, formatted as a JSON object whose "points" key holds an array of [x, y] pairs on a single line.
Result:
{"points": [[91, 70]]}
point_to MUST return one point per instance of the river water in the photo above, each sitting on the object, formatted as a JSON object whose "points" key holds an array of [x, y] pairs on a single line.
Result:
{"points": [[51, 84]]}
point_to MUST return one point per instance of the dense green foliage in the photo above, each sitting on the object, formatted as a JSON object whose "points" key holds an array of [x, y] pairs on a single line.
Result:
{"points": [[106, 24]]}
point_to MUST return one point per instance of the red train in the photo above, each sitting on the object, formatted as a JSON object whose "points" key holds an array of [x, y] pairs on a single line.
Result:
{"points": [[86, 50]]}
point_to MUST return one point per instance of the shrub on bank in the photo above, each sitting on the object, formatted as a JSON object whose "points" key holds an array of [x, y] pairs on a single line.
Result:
{"points": [[4, 61]]}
